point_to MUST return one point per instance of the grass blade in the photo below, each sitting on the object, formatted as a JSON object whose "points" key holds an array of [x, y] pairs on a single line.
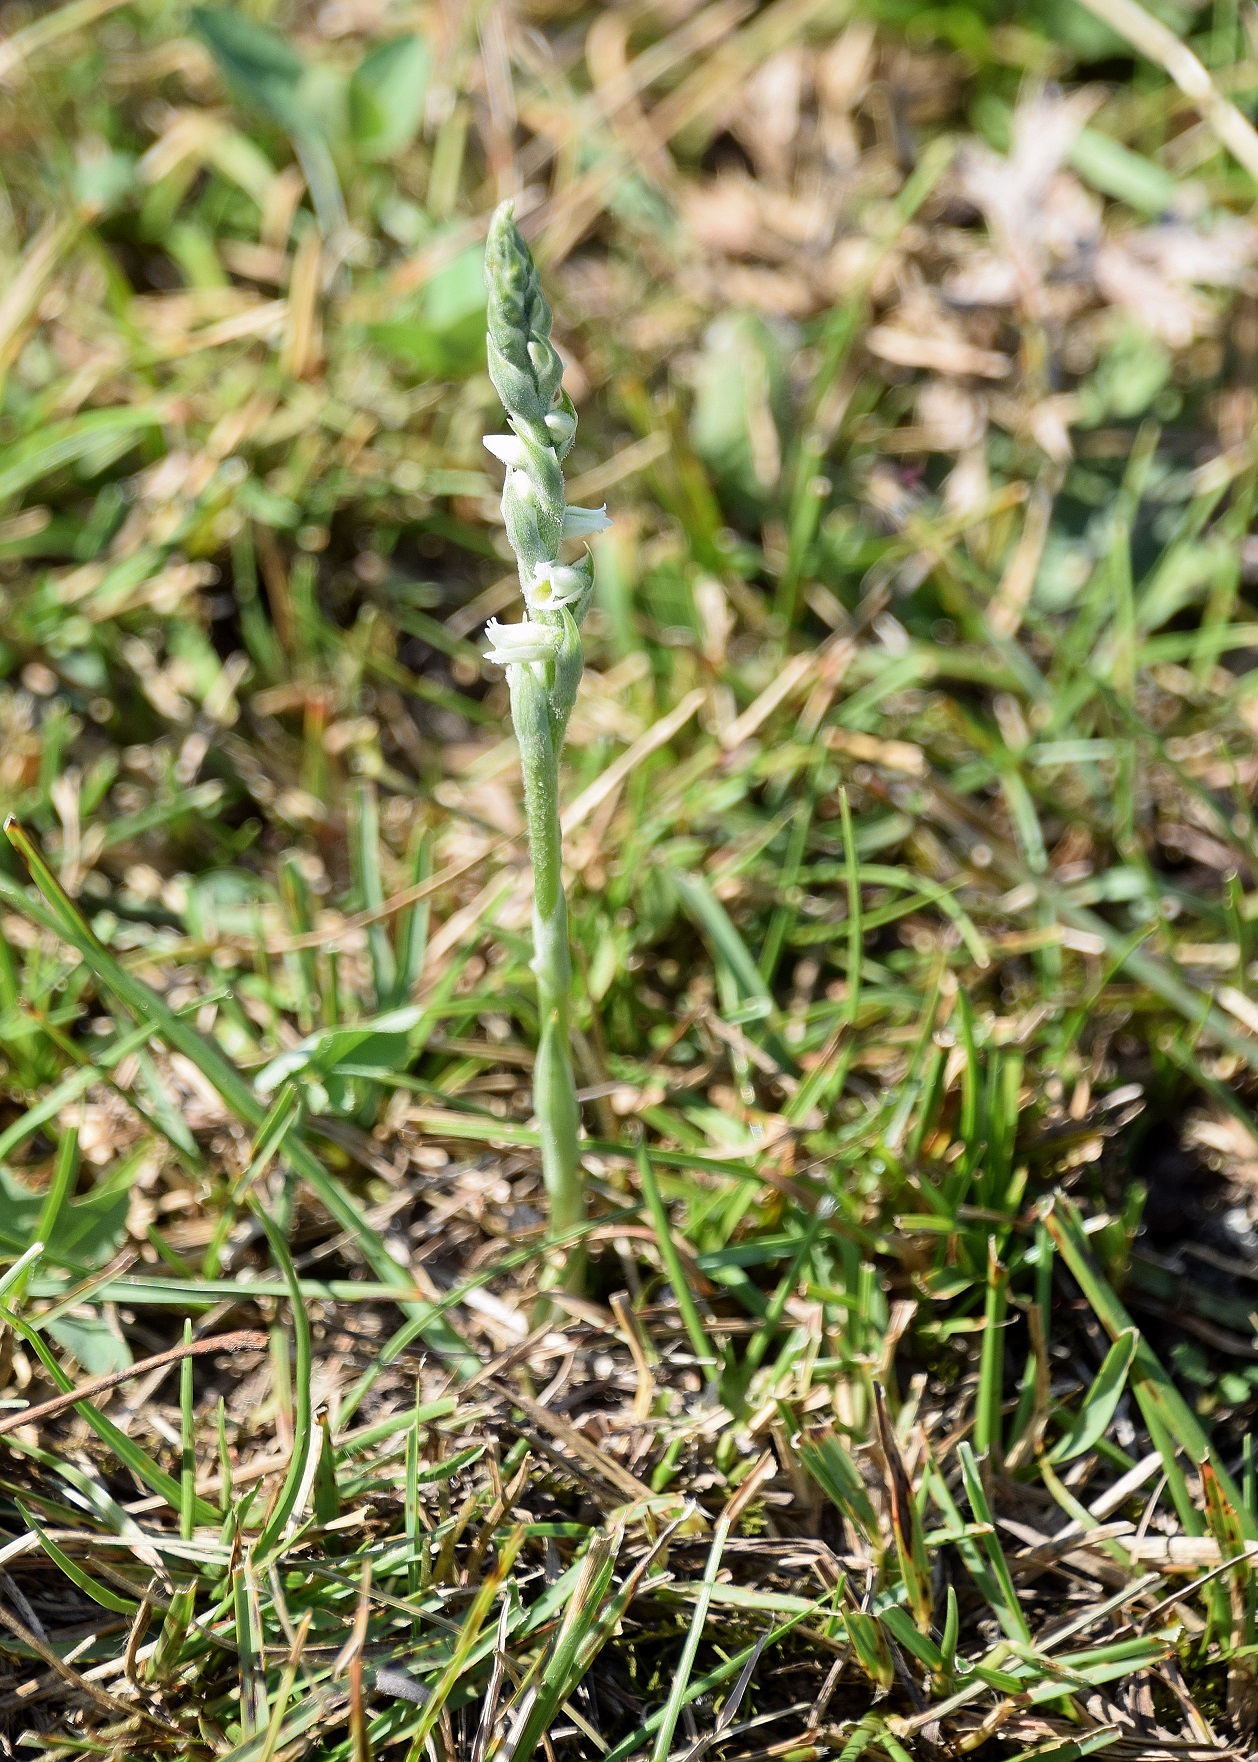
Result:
{"points": [[1101, 1401], [62, 918], [1165, 1410], [303, 1429]]}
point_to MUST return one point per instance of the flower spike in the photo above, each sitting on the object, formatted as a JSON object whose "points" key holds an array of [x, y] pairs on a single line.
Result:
{"points": [[543, 660]]}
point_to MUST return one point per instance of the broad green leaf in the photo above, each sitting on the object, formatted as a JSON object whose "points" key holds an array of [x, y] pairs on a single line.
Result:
{"points": [[80, 1233], [739, 410], [441, 332], [264, 72], [259, 66], [377, 1041], [386, 96], [93, 1343], [1115, 170]]}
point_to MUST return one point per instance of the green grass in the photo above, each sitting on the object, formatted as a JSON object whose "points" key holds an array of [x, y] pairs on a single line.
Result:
{"points": [[910, 1404]]}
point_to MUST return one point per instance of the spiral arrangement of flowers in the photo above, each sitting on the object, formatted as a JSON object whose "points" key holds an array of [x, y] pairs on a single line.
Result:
{"points": [[543, 658]]}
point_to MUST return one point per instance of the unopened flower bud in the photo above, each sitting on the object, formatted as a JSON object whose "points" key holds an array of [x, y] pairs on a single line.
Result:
{"points": [[561, 426]]}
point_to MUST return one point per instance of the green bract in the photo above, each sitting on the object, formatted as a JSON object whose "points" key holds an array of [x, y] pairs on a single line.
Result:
{"points": [[543, 659]]}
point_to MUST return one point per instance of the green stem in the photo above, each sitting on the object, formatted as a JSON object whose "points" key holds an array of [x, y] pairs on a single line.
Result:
{"points": [[554, 1089]]}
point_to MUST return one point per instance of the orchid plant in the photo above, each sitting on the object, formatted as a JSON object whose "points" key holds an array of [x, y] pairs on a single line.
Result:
{"points": [[543, 659]]}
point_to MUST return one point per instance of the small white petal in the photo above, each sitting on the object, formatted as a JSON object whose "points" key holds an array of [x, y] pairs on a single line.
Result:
{"points": [[519, 483], [509, 448], [584, 522], [514, 645]]}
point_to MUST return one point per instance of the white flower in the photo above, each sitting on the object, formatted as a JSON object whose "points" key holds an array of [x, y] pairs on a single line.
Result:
{"points": [[520, 485], [584, 522], [509, 448], [554, 585], [515, 645]]}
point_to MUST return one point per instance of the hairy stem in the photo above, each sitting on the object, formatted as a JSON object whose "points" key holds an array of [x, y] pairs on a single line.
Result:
{"points": [[554, 1089]]}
